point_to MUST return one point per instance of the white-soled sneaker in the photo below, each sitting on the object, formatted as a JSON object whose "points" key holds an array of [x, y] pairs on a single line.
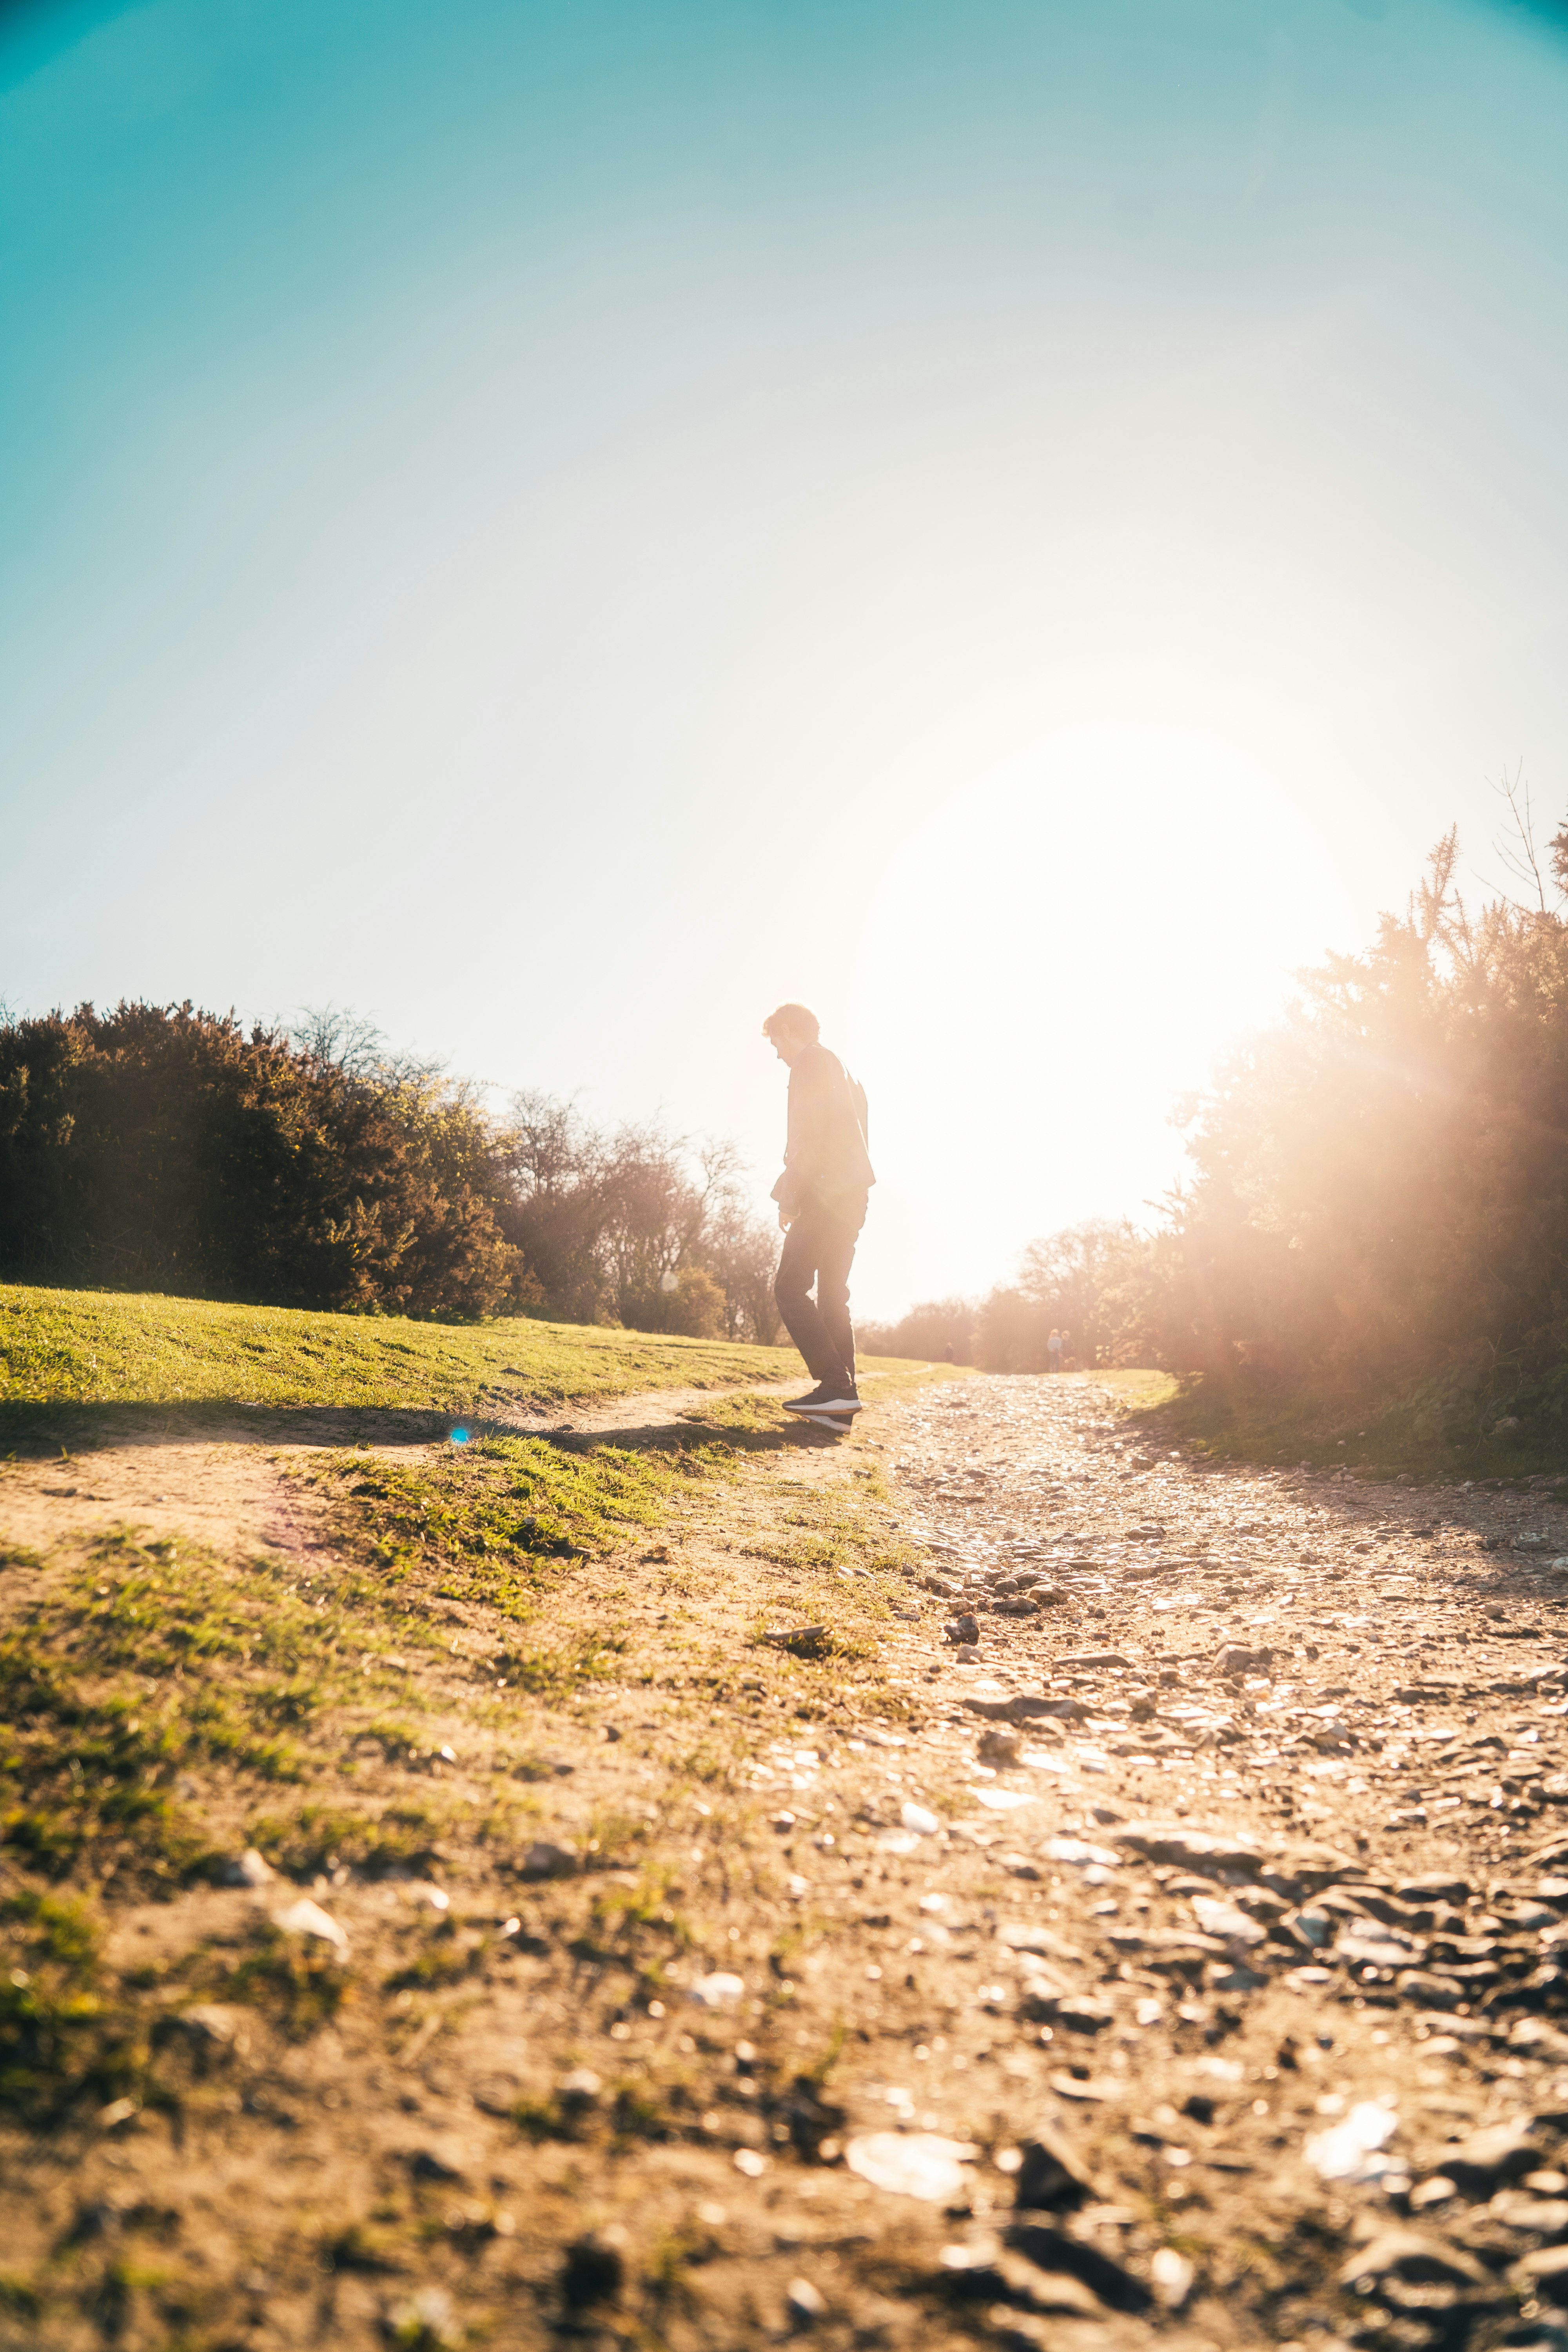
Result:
{"points": [[826, 1398]]}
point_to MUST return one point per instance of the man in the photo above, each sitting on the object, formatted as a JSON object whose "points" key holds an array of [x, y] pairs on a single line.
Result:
{"points": [[827, 1174]]}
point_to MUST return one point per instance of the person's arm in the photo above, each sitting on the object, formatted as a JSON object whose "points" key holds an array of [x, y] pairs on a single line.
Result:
{"points": [[808, 1136]]}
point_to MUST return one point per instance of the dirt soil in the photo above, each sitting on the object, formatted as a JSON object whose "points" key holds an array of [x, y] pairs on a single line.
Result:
{"points": [[1142, 1918]]}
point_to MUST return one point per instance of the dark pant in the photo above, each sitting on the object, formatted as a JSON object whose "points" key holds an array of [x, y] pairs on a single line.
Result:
{"points": [[820, 1249]]}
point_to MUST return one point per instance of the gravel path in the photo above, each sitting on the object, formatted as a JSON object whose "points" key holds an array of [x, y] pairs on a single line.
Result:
{"points": [[1131, 1911]]}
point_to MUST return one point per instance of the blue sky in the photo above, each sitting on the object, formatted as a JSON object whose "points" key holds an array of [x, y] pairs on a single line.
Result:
{"points": [[560, 526]]}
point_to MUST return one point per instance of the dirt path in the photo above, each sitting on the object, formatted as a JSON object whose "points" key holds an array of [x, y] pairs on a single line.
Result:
{"points": [[237, 1484], [1170, 1950]]}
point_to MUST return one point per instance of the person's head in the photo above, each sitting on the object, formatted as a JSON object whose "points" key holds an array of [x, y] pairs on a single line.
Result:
{"points": [[790, 1031]]}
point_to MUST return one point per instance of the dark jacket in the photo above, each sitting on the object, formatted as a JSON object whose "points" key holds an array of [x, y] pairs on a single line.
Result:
{"points": [[827, 1165]]}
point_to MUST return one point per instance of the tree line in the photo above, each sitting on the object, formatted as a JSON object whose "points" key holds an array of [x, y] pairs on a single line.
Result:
{"points": [[162, 1147], [1378, 1188]]}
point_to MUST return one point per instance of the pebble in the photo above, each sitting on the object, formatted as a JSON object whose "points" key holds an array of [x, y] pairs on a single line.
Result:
{"points": [[308, 1918], [1353, 2150], [805, 2302], [911, 2164], [248, 1869], [719, 1991], [545, 1859]]}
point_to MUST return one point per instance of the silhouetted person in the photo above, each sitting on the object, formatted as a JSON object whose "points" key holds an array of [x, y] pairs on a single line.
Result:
{"points": [[827, 1174], [1053, 1351]]}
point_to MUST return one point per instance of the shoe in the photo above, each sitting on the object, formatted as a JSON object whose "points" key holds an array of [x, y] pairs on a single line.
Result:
{"points": [[826, 1397], [839, 1423]]}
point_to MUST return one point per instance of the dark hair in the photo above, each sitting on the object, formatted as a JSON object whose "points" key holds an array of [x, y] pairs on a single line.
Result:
{"points": [[794, 1017]]}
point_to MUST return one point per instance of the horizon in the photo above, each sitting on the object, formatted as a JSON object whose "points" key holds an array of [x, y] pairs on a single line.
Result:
{"points": [[563, 530]]}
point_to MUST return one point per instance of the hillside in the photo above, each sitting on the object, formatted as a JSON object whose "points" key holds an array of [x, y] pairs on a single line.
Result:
{"points": [[103, 1347]]}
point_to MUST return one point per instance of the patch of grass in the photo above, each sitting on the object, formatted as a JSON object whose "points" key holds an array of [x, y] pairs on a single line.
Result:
{"points": [[555, 1671], [446, 1958], [18, 2299], [61, 2042], [147, 1658], [322, 1837], [1138, 1390], [500, 1512], [296, 1980], [112, 1346], [1438, 1431]]}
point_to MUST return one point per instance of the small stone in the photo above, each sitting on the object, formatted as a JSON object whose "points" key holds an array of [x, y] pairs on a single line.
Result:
{"points": [[1024, 1935], [496, 2095], [212, 2024], [580, 2088], [1540, 2040], [1235, 1658], [1431, 1992], [248, 1869], [961, 1631], [1352, 2150], [916, 1818], [1081, 1856], [1413, 2258], [1499, 2152], [594, 2268], [427, 2319], [1085, 2089], [1544, 2272], [545, 1859], [1052, 2175], [804, 2303], [1209, 1850], [1225, 1920], [1436, 1886], [1376, 1947], [911, 2164], [998, 1747], [1082, 2012], [429, 2164], [719, 1991], [803, 1640], [1436, 2192], [1543, 2217], [308, 1918], [1172, 2275]]}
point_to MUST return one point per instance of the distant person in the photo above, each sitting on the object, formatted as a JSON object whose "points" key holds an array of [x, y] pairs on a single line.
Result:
{"points": [[1054, 1350], [948, 1356], [827, 1174]]}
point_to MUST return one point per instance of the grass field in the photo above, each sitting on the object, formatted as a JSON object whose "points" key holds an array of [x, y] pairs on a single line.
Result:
{"points": [[100, 1346]]}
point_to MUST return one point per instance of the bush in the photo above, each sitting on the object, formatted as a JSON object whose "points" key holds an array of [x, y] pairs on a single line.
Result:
{"points": [[1379, 1192], [163, 1147], [1381, 1183]]}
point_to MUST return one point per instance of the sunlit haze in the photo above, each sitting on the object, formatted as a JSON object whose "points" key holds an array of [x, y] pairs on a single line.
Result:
{"points": [[558, 526]]}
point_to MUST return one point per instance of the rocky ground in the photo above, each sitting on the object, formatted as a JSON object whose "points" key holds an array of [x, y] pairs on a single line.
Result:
{"points": [[1016, 1885]]}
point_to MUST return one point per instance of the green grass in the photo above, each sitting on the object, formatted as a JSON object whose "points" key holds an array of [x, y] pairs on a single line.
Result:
{"points": [[1438, 1431], [100, 1346], [147, 1658], [497, 1511]]}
